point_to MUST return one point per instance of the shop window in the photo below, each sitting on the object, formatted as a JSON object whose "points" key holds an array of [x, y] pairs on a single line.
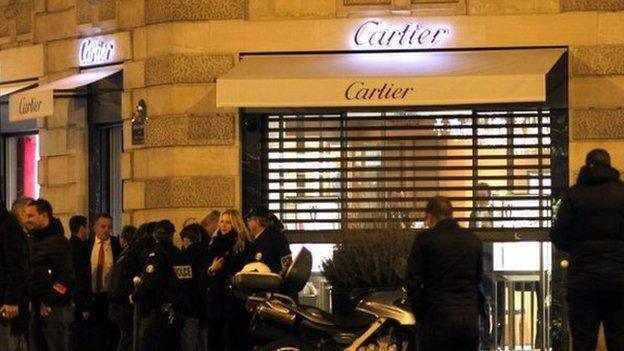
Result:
{"points": [[354, 171], [21, 156]]}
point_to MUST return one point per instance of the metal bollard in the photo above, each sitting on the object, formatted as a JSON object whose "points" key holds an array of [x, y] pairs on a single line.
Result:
{"points": [[135, 317]]}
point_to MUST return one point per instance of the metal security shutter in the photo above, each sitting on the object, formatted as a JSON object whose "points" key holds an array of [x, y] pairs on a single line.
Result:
{"points": [[332, 174]]}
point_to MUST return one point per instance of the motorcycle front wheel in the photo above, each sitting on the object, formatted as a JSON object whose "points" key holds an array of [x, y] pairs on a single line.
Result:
{"points": [[283, 345]]}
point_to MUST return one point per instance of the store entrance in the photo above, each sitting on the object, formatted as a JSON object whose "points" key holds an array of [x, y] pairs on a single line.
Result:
{"points": [[332, 174], [105, 148]]}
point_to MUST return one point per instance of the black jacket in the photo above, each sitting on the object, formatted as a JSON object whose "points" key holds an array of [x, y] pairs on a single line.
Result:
{"points": [[166, 279], [13, 259], [444, 270], [590, 227], [223, 246], [81, 254], [51, 278], [272, 249], [220, 297], [197, 255]]}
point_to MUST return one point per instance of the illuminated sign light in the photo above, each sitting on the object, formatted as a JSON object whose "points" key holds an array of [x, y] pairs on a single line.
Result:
{"points": [[375, 34], [96, 51]]}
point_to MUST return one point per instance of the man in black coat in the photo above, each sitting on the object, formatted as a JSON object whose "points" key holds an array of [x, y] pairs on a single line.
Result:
{"points": [[444, 270], [13, 272], [590, 227], [51, 280]]}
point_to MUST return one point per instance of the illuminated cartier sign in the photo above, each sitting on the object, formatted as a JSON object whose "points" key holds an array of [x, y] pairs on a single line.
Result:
{"points": [[96, 51], [377, 34]]}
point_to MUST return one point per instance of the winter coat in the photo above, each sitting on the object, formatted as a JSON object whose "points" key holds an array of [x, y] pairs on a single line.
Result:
{"points": [[590, 227]]}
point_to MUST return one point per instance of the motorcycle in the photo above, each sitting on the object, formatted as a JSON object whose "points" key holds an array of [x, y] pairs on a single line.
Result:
{"points": [[382, 320]]}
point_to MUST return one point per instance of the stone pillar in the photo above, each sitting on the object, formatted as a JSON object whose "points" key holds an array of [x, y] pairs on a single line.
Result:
{"points": [[190, 162]]}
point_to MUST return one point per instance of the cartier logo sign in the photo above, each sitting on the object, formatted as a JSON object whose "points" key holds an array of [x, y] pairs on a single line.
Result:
{"points": [[377, 34], [96, 51], [359, 90], [29, 106]]}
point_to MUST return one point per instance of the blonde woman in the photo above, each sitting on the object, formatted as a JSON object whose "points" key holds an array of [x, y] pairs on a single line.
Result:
{"points": [[227, 317]]}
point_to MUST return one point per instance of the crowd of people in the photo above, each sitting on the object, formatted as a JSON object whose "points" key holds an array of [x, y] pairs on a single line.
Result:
{"points": [[82, 293]]}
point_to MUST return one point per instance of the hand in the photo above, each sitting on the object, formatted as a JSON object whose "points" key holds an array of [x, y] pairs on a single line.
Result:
{"points": [[86, 315], [45, 310], [130, 299], [9, 311], [217, 264]]}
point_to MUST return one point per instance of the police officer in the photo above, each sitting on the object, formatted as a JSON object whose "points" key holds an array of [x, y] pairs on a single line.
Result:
{"points": [[269, 245], [163, 292]]}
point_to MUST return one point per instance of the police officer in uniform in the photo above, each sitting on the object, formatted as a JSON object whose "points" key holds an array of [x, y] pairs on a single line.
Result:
{"points": [[269, 245], [163, 292]]}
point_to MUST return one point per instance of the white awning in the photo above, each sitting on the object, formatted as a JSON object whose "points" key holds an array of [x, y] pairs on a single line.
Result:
{"points": [[39, 102], [10, 88], [388, 79]]}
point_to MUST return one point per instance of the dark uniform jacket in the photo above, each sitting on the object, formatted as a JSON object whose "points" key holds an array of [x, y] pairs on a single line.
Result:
{"points": [[81, 254], [51, 278], [444, 270], [166, 279], [590, 227], [197, 255], [271, 248], [13, 259]]}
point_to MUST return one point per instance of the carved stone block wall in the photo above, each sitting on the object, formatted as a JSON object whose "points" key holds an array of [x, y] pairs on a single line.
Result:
{"points": [[598, 60], [177, 68], [215, 191], [157, 11], [192, 130], [16, 18], [503, 7], [592, 5], [597, 117], [380, 7], [597, 124], [93, 11]]}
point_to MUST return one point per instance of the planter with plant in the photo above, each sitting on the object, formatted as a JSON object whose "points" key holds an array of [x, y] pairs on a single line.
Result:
{"points": [[366, 261]]}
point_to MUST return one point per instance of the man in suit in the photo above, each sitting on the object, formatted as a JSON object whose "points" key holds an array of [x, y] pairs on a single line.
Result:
{"points": [[105, 250]]}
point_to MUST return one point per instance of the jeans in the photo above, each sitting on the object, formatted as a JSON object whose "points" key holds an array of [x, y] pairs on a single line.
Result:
{"points": [[51, 333]]}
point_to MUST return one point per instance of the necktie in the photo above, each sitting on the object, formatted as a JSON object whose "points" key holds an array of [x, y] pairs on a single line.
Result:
{"points": [[99, 285]]}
